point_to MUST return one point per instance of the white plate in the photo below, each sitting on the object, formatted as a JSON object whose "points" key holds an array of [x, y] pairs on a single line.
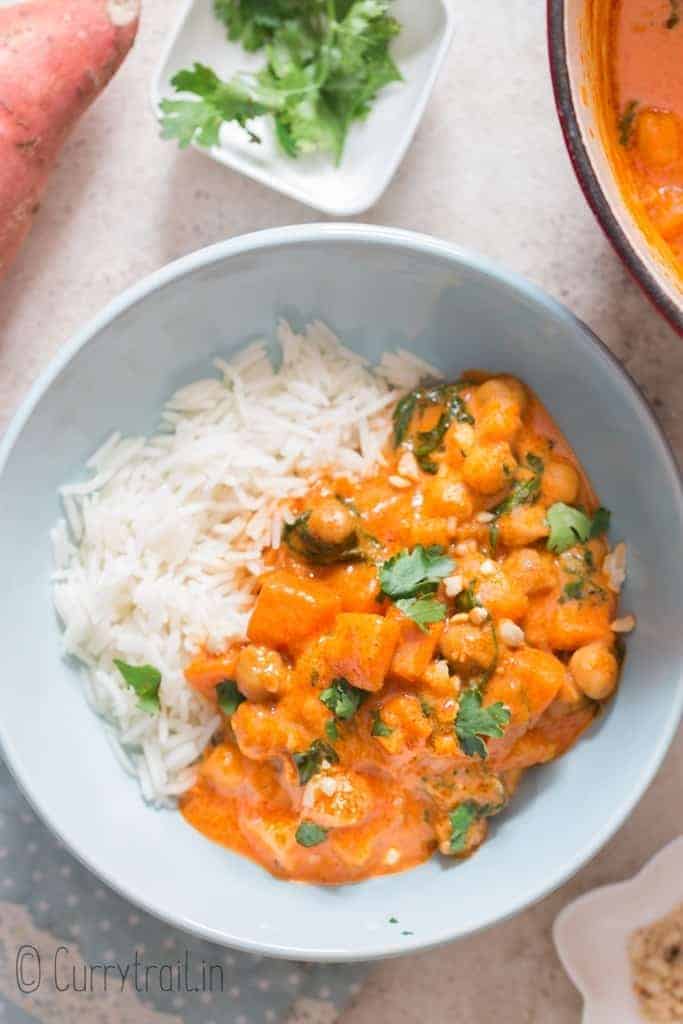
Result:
{"points": [[591, 935], [374, 148]]}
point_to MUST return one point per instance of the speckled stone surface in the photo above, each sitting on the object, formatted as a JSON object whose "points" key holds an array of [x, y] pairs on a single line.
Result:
{"points": [[488, 171]]}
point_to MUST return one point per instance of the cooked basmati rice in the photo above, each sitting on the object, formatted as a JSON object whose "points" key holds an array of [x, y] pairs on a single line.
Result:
{"points": [[160, 546]]}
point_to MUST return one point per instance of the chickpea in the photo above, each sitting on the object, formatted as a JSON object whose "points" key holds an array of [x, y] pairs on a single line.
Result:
{"points": [[503, 391], [560, 482], [468, 648], [532, 571], [595, 670], [498, 423], [331, 522], [446, 495], [263, 732], [459, 441], [337, 799], [410, 728], [524, 525], [488, 468], [260, 673]]}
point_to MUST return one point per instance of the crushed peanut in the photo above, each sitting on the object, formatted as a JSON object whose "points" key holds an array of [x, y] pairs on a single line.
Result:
{"points": [[453, 585], [399, 482], [510, 633], [488, 567], [615, 567], [624, 625], [408, 467], [478, 615]]}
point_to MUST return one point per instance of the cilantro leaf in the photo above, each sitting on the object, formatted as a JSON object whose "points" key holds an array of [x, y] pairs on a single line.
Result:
{"points": [[145, 680], [342, 699], [475, 721], [229, 697], [422, 610], [403, 414], [410, 572], [426, 442], [467, 599], [310, 762], [626, 123], [309, 834], [462, 819], [574, 591], [306, 544], [379, 728], [570, 526], [331, 730], [601, 521], [524, 492], [199, 120]]}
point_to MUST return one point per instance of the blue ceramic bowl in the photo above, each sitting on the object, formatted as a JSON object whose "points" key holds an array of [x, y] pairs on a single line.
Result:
{"points": [[377, 288]]}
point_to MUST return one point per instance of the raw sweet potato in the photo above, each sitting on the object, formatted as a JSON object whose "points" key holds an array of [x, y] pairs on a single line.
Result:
{"points": [[56, 56]]}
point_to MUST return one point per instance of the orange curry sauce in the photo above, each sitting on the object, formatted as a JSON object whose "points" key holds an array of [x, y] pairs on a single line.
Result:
{"points": [[647, 112], [348, 755]]}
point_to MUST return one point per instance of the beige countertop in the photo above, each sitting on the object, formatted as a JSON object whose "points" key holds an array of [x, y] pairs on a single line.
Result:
{"points": [[489, 171]]}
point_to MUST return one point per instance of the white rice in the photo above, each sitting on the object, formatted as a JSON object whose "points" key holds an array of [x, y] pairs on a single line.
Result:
{"points": [[158, 551]]}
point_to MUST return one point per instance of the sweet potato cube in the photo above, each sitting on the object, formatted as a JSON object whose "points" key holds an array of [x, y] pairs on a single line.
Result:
{"points": [[290, 609], [361, 649], [575, 623], [415, 648]]}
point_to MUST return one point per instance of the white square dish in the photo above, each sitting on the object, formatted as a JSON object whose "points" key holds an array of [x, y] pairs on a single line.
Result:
{"points": [[374, 148]]}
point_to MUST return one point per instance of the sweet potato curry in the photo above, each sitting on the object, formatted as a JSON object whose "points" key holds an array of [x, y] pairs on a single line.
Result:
{"points": [[645, 99], [421, 638]]}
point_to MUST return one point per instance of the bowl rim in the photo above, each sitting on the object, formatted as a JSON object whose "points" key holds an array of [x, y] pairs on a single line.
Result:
{"points": [[377, 236], [586, 174]]}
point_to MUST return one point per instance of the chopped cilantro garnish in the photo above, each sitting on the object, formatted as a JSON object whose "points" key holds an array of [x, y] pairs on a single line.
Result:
{"points": [[229, 697], [145, 680], [408, 573], [325, 64], [467, 599], [462, 819], [310, 761], [342, 699], [422, 610], [475, 721], [331, 730], [524, 492], [411, 578], [574, 590], [570, 526], [303, 542], [380, 728], [626, 122], [426, 442], [309, 834]]}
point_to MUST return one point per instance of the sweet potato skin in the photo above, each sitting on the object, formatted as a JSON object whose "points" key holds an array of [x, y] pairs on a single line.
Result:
{"points": [[56, 56]]}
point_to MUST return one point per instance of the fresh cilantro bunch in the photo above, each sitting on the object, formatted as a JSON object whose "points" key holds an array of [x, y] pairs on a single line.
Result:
{"points": [[326, 61]]}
